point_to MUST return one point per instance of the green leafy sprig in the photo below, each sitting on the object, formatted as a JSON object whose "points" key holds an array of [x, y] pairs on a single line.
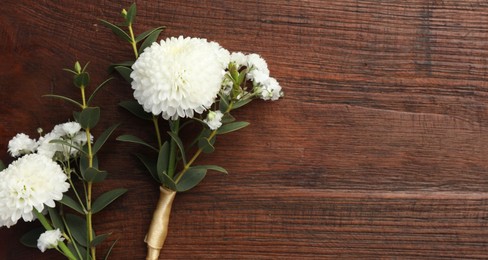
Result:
{"points": [[83, 170]]}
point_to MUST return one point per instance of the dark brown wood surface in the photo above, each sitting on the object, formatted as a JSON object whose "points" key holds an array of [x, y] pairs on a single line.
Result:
{"points": [[378, 149]]}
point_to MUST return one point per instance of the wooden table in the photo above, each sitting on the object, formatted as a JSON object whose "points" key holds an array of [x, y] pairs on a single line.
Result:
{"points": [[378, 149]]}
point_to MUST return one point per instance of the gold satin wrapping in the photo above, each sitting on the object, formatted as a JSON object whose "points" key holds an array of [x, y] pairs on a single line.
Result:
{"points": [[159, 224]]}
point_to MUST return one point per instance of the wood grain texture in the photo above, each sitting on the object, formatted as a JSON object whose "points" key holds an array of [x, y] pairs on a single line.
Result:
{"points": [[377, 151]]}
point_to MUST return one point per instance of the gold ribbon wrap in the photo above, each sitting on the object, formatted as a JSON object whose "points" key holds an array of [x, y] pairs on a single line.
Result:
{"points": [[158, 230]]}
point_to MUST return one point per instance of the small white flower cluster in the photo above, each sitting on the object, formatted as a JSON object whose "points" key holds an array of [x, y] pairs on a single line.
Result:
{"points": [[70, 132], [214, 119], [258, 72], [49, 239]]}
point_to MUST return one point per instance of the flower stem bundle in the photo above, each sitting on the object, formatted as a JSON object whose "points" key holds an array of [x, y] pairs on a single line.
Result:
{"points": [[185, 81], [159, 224]]}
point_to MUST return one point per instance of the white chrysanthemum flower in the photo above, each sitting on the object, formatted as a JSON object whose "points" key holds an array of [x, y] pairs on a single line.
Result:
{"points": [[69, 129], [31, 182], [259, 71], [178, 76], [271, 90], [21, 144], [49, 239], [214, 119]]}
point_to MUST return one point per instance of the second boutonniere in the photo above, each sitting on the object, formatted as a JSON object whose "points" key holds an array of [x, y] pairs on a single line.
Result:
{"points": [[184, 81]]}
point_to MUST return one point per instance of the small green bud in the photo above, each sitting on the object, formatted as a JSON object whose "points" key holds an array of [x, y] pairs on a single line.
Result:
{"points": [[77, 67], [124, 13]]}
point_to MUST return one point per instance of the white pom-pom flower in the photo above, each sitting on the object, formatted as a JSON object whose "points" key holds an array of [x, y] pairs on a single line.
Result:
{"points": [[21, 144], [31, 182], [214, 119], [179, 76], [49, 239]]}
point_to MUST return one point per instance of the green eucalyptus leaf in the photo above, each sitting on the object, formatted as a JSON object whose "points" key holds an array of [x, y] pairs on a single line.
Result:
{"points": [[2, 166], [191, 178], [97, 89], [94, 175], [110, 250], [145, 34], [167, 181], [98, 239], [76, 116], [117, 30], [55, 218], [71, 247], [85, 254], [227, 118], [179, 143], [241, 103], [231, 127], [150, 166], [124, 72], [127, 64], [70, 71], [64, 98], [133, 107], [84, 164], [106, 198], [136, 140], [211, 167], [63, 142], [131, 14], [86, 66], [241, 78], [77, 226], [29, 239], [71, 203], [206, 145], [223, 103], [89, 117], [233, 71], [103, 138], [152, 37], [81, 80], [163, 158]]}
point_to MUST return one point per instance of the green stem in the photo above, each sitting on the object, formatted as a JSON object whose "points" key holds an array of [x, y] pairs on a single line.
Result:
{"points": [[76, 192], [71, 237], [156, 128], [83, 96], [173, 149], [195, 156], [88, 214], [199, 151], [48, 226], [89, 221], [133, 41]]}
